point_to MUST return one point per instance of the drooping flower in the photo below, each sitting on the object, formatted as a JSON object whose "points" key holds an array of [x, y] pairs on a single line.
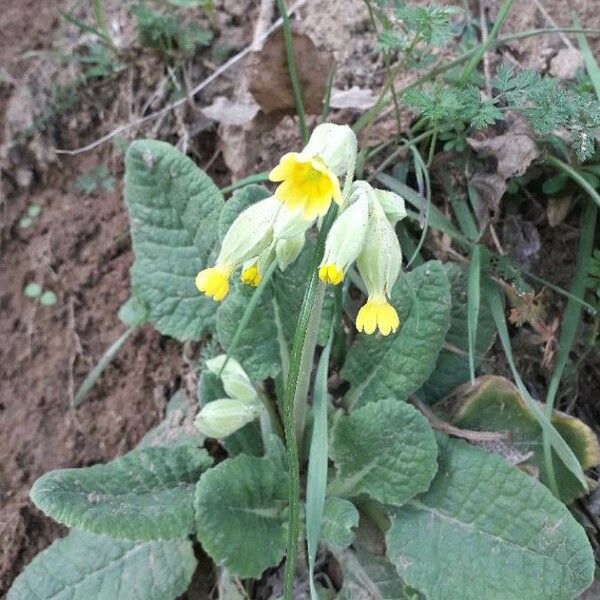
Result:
{"points": [[248, 236], [235, 380], [308, 180], [379, 264], [345, 240]]}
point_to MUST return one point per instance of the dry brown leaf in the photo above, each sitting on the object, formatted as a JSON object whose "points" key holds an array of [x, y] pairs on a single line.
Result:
{"points": [[566, 63], [231, 112], [355, 98], [511, 153], [270, 80]]}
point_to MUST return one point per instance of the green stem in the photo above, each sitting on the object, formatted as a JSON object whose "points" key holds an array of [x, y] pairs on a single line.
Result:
{"points": [[302, 348], [483, 48], [291, 61], [575, 176]]}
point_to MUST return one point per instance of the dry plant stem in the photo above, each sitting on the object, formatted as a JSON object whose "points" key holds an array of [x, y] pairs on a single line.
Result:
{"points": [[465, 434]]}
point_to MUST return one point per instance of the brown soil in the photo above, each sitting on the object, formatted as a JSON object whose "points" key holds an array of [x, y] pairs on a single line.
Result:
{"points": [[79, 248]]}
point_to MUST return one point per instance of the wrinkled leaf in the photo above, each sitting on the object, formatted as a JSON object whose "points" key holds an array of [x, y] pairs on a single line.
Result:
{"points": [[400, 364], [173, 210], [340, 517], [385, 449], [144, 495], [452, 367], [486, 530], [240, 512], [84, 566]]}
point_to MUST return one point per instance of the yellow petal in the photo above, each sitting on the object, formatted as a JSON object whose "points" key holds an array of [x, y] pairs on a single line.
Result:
{"points": [[214, 282], [251, 276], [330, 273]]}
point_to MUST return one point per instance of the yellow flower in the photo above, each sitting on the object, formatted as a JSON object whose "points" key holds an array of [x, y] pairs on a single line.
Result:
{"points": [[214, 281], [331, 273], [377, 313], [251, 276], [306, 183]]}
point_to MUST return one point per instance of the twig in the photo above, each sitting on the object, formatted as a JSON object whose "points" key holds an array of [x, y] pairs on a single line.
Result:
{"points": [[465, 434], [486, 56], [553, 23], [155, 115]]}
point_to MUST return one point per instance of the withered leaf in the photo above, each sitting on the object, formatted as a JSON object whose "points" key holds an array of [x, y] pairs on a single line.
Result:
{"points": [[270, 80]]}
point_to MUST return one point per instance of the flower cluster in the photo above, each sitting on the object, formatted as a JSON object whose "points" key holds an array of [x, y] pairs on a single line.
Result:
{"points": [[274, 229]]}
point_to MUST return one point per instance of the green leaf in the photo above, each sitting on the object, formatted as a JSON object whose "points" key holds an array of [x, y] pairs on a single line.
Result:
{"points": [[399, 364], [495, 404], [486, 530], [385, 449], [146, 494], [258, 349], [240, 506], [339, 519], [174, 209], [132, 312], [32, 290], [371, 577], [84, 566], [452, 367], [48, 298]]}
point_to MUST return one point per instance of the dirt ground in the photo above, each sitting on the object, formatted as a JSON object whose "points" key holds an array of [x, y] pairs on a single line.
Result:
{"points": [[79, 248]]}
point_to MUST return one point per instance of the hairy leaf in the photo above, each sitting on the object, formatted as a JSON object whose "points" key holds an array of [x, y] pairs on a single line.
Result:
{"points": [[144, 495], [398, 365], [174, 212], [452, 367], [486, 530], [385, 449], [340, 517], [84, 566], [240, 507]]}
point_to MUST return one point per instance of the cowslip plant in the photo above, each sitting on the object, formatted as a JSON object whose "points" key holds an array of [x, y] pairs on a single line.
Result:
{"points": [[407, 512]]}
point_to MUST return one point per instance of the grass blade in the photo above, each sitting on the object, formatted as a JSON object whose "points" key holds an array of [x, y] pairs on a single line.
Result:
{"points": [[317, 465], [94, 374], [562, 449], [570, 318], [291, 61], [588, 57], [473, 302]]}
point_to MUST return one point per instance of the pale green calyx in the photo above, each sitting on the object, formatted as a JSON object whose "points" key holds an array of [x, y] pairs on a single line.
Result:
{"points": [[287, 250], [235, 381], [225, 416], [345, 240], [393, 205], [290, 223], [250, 233], [336, 145], [381, 258]]}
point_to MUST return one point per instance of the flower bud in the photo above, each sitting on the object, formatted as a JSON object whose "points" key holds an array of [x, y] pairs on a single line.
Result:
{"points": [[392, 204], [335, 144], [221, 418], [235, 381], [345, 241]]}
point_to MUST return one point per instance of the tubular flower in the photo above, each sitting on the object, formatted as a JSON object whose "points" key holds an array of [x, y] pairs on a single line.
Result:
{"points": [[306, 183], [345, 241], [248, 236], [214, 281], [309, 179], [250, 275], [379, 266], [225, 416]]}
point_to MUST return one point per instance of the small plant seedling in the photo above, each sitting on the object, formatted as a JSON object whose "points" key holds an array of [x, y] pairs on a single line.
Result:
{"points": [[33, 211], [99, 178], [32, 290]]}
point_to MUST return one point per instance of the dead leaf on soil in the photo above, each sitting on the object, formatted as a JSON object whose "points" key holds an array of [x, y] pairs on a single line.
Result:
{"points": [[270, 80], [511, 152], [566, 63], [355, 98], [231, 112]]}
